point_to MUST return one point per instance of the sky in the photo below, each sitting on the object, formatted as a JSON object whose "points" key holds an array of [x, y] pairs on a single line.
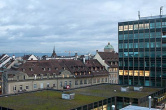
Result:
{"points": [[80, 26]]}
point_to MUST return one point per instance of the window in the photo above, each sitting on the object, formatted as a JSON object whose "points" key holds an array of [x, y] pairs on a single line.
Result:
{"points": [[141, 26], [120, 28], [20, 87], [61, 84], [146, 25], [35, 86], [65, 83], [70, 83], [54, 85], [85, 81], [94, 80], [135, 26], [48, 85], [98, 80], [81, 82], [102, 80], [27, 87], [17, 78], [14, 88], [76, 82], [120, 72], [89, 81], [130, 27], [105, 79], [125, 27]]}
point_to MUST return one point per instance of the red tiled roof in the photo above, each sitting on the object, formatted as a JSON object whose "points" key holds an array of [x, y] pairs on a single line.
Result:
{"points": [[109, 57]]}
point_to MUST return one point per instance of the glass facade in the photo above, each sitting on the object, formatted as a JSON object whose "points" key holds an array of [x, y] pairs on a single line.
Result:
{"points": [[142, 52]]}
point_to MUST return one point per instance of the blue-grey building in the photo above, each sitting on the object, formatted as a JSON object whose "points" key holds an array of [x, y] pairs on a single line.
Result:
{"points": [[142, 51]]}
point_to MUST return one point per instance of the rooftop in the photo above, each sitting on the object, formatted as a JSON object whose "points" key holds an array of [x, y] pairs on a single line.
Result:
{"points": [[52, 99], [131, 107]]}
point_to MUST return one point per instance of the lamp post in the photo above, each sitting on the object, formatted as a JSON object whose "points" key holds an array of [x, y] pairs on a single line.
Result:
{"points": [[149, 102], [113, 107]]}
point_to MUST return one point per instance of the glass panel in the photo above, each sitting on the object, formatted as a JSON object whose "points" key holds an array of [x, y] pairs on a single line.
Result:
{"points": [[120, 28], [146, 25], [130, 45], [135, 26], [141, 73], [130, 27], [130, 54], [130, 72], [152, 25], [141, 26], [158, 24], [125, 27], [120, 72], [126, 72], [120, 37], [130, 36]]}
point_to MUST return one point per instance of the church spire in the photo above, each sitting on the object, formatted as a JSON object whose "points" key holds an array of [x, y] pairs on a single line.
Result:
{"points": [[53, 54]]}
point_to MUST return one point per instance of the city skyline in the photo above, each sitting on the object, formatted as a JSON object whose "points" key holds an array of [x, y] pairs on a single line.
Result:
{"points": [[82, 26]]}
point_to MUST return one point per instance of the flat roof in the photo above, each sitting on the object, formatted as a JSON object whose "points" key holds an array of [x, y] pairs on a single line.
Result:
{"points": [[49, 99], [131, 107], [145, 18]]}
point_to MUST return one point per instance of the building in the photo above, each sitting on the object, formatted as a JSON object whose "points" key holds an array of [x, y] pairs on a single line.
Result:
{"points": [[4, 60], [55, 74], [29, 57], [109, 59], [142, 51], [108, 48]]}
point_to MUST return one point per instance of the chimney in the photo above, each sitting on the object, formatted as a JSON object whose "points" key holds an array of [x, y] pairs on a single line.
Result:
{"points": [[84, 60], [76, 56]]}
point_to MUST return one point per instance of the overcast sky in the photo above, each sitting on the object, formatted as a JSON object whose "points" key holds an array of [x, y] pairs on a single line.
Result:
{"points": [[70, 25]]}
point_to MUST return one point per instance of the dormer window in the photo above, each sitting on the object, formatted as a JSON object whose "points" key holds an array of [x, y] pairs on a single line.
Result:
{"points": [[30, 69], [35, 76], [80, 73], [63, 68], [56, 68], [49, 69], [43, 69], [23, 69], [89, 72], [76, 74]]}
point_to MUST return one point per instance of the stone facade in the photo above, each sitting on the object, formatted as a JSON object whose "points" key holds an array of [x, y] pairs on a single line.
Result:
{"points": [[55, 74]]}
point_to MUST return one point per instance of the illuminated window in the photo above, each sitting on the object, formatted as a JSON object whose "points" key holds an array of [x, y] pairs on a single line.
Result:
{"points": [[125, 72], [130, 27], [120, 72], [136, 73], [125, 27], [141, 73], [89, 72], [141, 26], [146, 25], [131, 73], [120, 28], [147, 73]]}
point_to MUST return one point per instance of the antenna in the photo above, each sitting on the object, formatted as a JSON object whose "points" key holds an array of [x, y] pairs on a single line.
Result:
{"points": [[138, 14], [161, 10]]}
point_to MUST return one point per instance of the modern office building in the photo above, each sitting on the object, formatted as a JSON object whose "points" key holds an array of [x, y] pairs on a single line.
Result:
{"points": [[142, 51]]}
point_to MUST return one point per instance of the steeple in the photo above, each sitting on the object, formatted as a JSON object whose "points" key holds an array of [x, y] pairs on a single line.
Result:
{"points": [[53, 54]]}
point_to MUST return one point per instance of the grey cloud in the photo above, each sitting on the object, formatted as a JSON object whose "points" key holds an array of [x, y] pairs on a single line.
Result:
{"points": [[86, 25]]}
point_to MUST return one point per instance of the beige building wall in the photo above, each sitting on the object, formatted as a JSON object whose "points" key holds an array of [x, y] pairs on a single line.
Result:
{"points": [[113, 74], [58, 83]]}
